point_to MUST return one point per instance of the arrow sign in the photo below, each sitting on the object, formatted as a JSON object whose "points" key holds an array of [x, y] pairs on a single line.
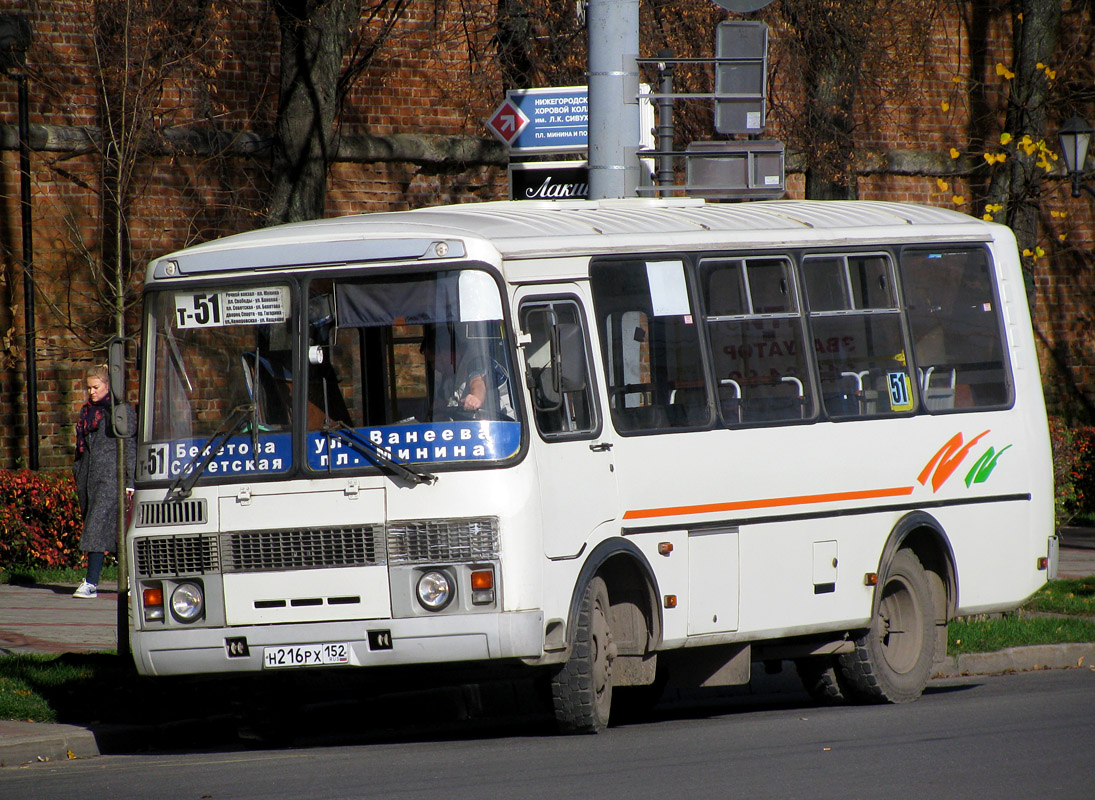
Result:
{"points": [[507, 122]]}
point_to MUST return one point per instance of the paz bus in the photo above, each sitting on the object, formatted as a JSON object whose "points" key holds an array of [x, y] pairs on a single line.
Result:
{"points": [[616, 443]]}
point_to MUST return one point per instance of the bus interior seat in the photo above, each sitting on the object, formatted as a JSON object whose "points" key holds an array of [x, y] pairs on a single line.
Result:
{"points": [[688, 407], [938, 387]]}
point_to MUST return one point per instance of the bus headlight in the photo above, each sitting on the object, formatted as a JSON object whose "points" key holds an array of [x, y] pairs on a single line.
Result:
{"points": [[435, 590], [187, 602]]}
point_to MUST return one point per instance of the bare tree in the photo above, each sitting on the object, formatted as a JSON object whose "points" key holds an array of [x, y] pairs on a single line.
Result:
{"points": [[315, 35], [326, 45], [135, 49]]}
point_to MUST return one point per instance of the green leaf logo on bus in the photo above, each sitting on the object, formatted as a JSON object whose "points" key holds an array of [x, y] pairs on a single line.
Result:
{"points": [[951, 455]]}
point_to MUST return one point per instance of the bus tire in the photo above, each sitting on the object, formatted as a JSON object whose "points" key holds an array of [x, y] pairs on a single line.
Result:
{"points": [[893, 659], [581, 689], [820, 676]]}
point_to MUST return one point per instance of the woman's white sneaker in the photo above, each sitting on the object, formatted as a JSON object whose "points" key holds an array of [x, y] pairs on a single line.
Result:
{"points": [[86, 590]]}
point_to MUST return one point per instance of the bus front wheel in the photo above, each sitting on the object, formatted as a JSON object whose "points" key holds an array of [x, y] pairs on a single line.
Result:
{"points": [[893, 659], [581, 689]]}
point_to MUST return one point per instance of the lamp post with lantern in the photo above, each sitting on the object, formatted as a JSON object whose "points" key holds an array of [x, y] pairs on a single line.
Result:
{"points": [[1075, 139]]}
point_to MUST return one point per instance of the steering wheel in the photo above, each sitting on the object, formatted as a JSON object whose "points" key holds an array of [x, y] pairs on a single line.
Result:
{"points": [[458, 414]]}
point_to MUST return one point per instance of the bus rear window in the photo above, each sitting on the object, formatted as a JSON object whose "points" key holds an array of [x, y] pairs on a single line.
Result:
{"points": [[955, 324]]}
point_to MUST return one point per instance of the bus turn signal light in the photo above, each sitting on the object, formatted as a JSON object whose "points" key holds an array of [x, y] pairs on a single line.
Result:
{"points": [[671, 601], [153, 603], [482, 587], [482, 579], [870, 579], [665, 548], [1043, 563]]}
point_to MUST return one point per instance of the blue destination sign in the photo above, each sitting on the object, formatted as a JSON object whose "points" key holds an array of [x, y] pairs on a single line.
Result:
{"points": [[160, 460], [429, 443], [558, 119]]}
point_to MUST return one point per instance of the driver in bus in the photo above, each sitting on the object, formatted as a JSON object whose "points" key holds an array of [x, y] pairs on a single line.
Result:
{"points": [[462, 375]]}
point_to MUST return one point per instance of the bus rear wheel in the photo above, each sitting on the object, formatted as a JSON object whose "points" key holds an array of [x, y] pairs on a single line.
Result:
{"points": [[893, 659], [581, 689], [820, 676]]}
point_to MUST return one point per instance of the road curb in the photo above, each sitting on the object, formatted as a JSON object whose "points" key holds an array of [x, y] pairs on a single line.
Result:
{"points": [[1018, 659], [23, 742]]}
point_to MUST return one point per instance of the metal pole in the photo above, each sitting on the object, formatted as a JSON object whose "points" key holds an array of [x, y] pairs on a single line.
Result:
{"points": [[28, 273], [613, 98], [666, 135]]}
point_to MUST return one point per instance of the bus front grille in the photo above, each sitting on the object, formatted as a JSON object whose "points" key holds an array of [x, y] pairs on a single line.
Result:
{"points": [[180, 512], [407, 542], [260, 551], [162, 556], [440, 541]]}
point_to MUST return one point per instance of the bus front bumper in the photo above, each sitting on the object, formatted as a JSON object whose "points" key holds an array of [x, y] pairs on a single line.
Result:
{"points": [[368, 643]]}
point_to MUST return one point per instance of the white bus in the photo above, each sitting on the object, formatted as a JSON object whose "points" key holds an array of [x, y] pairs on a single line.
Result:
{"points": [[623, 443]]}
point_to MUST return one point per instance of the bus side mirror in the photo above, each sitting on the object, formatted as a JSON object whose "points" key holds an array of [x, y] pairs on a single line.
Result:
{"points": [[116, 368]]}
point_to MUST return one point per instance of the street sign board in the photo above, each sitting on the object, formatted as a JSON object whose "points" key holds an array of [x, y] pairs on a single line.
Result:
{"points": [[555, 120], [549, 180]]}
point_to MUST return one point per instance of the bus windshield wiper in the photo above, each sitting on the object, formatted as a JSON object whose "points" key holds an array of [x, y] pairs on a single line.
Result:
{"points": [[378, 454], [188, 475]]}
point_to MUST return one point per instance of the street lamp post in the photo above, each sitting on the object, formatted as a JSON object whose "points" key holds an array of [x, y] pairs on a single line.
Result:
{"points": [[1075, 139], [14, 42]]}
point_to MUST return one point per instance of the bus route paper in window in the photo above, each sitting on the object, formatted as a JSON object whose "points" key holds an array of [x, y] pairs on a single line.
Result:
{"points": [[668, 290]]}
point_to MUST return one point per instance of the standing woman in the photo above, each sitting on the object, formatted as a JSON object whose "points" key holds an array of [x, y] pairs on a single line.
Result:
{"points": [[96, 471]]}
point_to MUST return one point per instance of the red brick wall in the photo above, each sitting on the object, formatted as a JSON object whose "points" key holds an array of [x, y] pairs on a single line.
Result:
{"points": [[426, 80]]}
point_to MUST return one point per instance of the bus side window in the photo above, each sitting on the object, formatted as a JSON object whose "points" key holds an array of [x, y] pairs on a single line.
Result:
{"points": [[650, 345], [557, 369], [955, 325], [858, 341], [757, 342]]}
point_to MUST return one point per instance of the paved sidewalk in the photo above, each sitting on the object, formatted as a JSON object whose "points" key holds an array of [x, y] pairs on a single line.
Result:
{"points": [[48, 619]]}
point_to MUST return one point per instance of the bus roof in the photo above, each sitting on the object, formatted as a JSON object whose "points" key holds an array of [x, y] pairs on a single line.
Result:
{"points": [[524, 229]]}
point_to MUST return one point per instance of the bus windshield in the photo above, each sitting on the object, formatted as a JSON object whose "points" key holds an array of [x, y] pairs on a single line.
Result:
{"points": [[391, 372], [416, 364]]}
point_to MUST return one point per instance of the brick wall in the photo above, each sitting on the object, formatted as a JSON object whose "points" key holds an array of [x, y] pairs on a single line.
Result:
{"points": [[434, 75]]}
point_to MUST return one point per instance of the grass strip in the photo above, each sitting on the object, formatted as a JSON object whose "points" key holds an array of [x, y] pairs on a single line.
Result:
{"points": [[1016, 630], [1075, 596]]}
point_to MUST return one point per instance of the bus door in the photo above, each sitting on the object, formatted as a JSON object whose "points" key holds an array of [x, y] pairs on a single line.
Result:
{"points": [[574, 460]]}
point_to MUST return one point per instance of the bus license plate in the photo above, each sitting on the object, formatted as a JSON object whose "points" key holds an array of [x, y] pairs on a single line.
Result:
{"points": [[306, 655]]}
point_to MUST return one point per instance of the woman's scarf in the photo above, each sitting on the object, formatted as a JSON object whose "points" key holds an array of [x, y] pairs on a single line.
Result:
{"points": [[91, 416]]}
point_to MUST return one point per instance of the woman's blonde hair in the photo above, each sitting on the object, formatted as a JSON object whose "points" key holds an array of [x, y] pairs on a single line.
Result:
{"points": [[100, 371]]}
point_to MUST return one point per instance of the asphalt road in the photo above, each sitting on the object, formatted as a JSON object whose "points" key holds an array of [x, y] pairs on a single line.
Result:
{"points": [[1028, 735]]}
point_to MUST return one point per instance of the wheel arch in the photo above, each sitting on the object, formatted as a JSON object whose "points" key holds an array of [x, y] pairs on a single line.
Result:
{"points": [[925, 536], [625, 571]]}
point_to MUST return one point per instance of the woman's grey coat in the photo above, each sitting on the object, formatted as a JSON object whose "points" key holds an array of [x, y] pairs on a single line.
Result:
{"points": [[97, 485]]}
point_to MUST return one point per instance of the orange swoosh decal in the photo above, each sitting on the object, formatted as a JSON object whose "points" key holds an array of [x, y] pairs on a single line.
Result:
{"points": [[946, 461], [771, 502]]}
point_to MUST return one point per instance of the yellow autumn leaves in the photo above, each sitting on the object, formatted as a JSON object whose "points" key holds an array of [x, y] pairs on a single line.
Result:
{"points": [[1007, 74], [1045, 156]]}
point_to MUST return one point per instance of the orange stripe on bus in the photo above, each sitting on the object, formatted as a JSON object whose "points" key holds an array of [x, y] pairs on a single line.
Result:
{"points": [[772, 502]]}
